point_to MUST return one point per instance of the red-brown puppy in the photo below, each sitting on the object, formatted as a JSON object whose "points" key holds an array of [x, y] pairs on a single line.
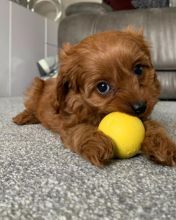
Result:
{"points": [[106, 72]]}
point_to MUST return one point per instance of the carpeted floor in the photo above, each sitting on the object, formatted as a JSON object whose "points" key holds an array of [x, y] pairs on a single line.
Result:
{"points": [[41, 180]]}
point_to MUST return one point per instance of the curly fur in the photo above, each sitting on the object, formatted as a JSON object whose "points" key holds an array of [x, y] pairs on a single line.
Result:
{"points": [[71, 106]]}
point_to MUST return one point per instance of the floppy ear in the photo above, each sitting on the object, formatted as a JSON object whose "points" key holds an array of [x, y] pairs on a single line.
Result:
{"points": [[62, 89], [66, 80]]}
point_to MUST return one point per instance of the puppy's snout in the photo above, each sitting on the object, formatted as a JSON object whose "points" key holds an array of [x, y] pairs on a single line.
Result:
{"points": [[139, 107]]}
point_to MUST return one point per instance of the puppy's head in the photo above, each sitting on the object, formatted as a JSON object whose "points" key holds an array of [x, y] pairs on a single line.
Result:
{"points": [[107, 72]]}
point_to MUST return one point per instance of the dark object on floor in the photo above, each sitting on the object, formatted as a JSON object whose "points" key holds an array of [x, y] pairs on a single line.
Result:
{"points": [[120, 4]]}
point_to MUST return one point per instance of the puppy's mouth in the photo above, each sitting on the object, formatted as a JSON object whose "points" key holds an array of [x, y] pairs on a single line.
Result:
{"points": [[138, 109], [141, 109]]}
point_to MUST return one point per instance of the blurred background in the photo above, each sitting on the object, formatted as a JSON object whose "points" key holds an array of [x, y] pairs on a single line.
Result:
{"points": [[29, 42], [52, 9], [55, 9]]}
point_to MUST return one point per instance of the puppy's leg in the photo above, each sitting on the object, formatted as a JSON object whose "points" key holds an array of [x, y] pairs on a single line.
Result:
{"points": [[157, 146], [91, 144], [31, 102], [25, 117]]}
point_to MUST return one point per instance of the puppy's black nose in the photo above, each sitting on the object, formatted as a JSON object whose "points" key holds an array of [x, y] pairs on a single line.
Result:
{"points": [[139, 107]]}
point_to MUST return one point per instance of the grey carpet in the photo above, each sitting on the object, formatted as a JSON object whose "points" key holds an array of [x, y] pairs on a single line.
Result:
{"points": [[41, 180]]}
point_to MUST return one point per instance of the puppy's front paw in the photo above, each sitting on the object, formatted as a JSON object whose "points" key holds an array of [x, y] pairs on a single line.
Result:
{"points": [[160, 150], [97, 149], [25, 117], [167, 156], [157, 145]]}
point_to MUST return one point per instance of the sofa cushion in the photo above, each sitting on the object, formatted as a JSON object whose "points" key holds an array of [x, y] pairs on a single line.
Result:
{"points": [[168, 84], [161, 35]]}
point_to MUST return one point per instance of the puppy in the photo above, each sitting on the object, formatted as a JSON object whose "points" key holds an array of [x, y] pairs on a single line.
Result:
{"points": [[107, 72]]}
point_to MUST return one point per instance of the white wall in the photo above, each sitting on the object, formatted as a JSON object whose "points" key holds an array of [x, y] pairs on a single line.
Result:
{"points": [[25, 37], [4, 47]]}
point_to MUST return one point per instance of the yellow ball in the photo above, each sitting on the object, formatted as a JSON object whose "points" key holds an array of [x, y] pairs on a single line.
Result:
{"points": [[126, 131]]}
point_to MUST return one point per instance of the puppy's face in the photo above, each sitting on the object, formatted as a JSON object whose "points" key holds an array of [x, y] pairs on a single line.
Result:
{"points": [[111, 71]]}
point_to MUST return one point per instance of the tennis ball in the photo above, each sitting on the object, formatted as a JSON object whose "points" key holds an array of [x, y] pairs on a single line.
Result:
{"points": [[126, 131]]}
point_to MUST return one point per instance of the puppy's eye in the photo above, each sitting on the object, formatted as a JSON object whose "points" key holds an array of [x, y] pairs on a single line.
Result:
{"points": [[138, 69], [103, 87]]}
